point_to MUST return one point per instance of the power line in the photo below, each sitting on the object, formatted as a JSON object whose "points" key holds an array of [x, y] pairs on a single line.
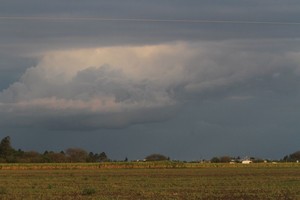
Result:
{"points": [[145, 20]]}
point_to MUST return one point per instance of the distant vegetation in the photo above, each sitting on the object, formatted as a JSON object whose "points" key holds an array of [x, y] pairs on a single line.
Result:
{"points": [[294, 157], [156, 157], [77, 155], [9, 155]]}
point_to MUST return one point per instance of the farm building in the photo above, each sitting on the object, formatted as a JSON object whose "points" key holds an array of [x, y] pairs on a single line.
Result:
{"points": [[246, 161]]}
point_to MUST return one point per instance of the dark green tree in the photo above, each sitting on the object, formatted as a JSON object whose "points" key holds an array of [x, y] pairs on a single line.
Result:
{"points": [[225, 159], [76, 155], [103, 157], [6, 149], [156, 157], [215, 160], [92, 157], [292, 157]]}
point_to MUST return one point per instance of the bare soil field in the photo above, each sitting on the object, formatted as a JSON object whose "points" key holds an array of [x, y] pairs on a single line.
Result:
{"points": [[151, 181]]}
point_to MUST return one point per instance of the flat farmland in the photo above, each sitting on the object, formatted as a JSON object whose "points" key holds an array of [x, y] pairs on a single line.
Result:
{"points": [[189, 181]]}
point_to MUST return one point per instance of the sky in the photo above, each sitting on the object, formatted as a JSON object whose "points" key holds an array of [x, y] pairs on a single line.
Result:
{"points": [[188, 79]]}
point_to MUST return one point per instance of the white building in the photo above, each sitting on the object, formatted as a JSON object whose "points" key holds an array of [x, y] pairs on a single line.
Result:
{"points": [[246, 161]]}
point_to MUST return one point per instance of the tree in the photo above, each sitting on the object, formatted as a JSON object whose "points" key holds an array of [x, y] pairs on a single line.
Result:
{"points": [[295, 156], [76, 154], [225, 159], [53, 157], [156, 157], [5, 148], [32, 157], [222, 159], [103, 157], [292, 157], [93, 157], [215, 160]]}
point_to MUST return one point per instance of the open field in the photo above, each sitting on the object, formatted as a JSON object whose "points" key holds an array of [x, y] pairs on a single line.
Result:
{"points": [[149, 181]]}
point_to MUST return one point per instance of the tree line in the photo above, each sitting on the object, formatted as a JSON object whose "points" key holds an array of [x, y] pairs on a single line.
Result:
{"points": [[9, 155]]}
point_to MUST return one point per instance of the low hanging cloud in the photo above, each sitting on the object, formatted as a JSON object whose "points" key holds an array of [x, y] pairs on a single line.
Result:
{"points": [[112, 87]]}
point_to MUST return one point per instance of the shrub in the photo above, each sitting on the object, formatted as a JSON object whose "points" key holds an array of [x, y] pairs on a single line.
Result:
{"points": [[156, 157]]}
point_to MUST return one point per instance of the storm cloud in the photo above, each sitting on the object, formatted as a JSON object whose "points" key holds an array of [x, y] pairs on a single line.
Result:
{"points": [[112, 87]]}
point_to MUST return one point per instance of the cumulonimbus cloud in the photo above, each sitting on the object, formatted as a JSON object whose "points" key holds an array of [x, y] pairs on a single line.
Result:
{"points": [[117, 86]]}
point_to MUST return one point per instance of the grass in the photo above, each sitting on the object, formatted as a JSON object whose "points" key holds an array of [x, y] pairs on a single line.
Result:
{"points": [[199, 181]]}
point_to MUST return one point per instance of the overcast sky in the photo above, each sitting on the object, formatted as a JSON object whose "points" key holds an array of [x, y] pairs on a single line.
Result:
{"points": [[188, 79]]}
